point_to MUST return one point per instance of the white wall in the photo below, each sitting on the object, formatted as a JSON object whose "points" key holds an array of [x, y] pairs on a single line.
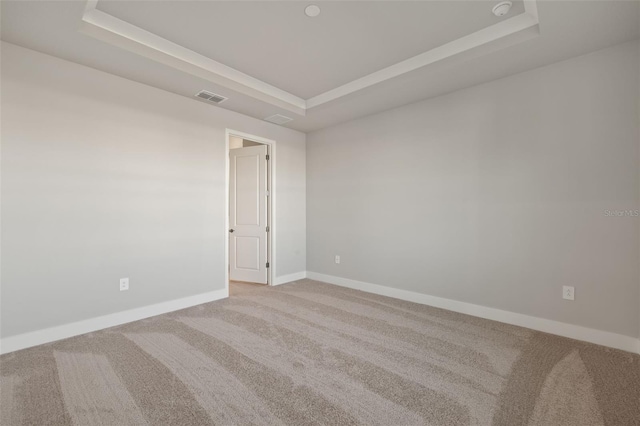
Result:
{"points": [[104, 178], [493, 195]]}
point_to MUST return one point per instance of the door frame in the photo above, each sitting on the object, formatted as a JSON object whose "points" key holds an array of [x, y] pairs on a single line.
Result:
{"points": [[271, 203]]}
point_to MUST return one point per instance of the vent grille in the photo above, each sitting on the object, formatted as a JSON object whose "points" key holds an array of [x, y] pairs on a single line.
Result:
{"points": [[278, 119], [211, 97]]}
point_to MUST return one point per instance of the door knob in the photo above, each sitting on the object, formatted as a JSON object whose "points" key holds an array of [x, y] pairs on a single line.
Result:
{"points": [[230, 230]]}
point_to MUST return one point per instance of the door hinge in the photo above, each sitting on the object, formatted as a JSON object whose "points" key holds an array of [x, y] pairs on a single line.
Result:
{"points": [[267, 156], [267, 229], [266, 193], [267, 264]]}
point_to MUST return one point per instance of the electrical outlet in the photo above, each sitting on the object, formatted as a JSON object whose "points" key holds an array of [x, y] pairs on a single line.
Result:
{"points": [[568, 292], [124, 284], [337, 259]]}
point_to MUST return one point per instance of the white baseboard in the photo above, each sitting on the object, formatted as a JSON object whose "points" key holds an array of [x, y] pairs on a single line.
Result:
{"points": [[605, 338], [290, 277], [577, 332], [47, 335]]}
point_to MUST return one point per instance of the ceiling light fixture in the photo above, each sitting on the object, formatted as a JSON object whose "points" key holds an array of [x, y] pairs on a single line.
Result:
{"points": [[312, 11], [502, 8]]}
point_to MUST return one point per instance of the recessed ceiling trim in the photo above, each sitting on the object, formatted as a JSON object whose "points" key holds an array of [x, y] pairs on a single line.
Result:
{"points": [[474, 40], [115, 31]]}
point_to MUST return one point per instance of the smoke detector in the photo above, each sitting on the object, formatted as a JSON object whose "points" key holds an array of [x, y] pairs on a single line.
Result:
{"points": [[278, 119], [211, 97], [502, 8]]}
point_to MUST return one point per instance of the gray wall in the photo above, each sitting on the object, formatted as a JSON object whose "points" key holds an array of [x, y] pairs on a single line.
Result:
{"points": [[104, 178], [493, 195]]}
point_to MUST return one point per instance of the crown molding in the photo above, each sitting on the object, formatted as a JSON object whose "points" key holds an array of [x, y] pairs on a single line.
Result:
{"points": [[122, 34], [525, 22], [117, 32]]}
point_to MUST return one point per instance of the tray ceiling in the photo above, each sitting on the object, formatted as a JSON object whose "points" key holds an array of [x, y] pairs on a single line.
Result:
{"points": [[279, 24], [277, 43]]}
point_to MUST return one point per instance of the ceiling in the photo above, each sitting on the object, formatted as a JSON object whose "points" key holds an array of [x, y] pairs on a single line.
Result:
{"points": [[277, 43], [355, 59]]}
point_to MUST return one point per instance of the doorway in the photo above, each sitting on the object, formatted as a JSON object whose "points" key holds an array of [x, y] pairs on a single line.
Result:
{"points": [[250, 206]]}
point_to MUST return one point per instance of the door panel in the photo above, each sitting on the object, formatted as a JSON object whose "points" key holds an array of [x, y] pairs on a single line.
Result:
{"points": [[247, 253], [247, 192], [248, 214]]}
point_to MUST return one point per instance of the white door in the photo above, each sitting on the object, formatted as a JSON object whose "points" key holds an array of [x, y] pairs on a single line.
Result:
{"points": [[248, 214]]}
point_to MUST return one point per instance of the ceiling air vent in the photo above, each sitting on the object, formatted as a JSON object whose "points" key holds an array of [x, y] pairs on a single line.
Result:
{"points": [[278, 119], [211, 97]]}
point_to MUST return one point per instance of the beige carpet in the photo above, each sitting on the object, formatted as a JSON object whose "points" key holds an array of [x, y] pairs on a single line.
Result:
{"points": [[312, 353]]}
